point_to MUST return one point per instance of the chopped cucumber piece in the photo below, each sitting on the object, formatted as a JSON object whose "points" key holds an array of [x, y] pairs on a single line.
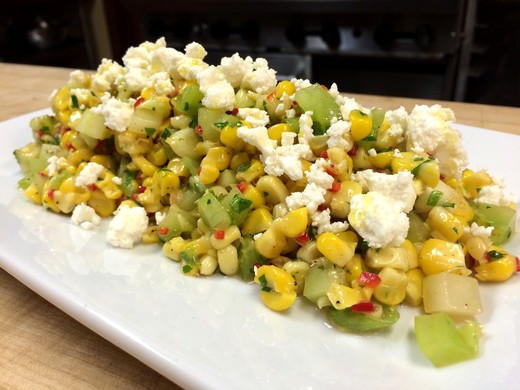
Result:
{"points": [[248, 257], [188, 101], [363, 322], [317, 284], [183, 143], [501, 218], [322, 104], [175, 223], [237, 205], [442, 342], [92, 124], [212, 121], [212, 211]]}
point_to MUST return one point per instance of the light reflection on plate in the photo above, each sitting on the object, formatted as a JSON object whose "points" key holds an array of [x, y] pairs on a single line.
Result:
{"points": [[214, 333]]}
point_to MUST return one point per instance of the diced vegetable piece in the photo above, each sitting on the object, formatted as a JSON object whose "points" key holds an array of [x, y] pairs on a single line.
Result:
{"points": [[501, 218], [176, 222], [188, 101], [158, 105], [363, 322], [419, 230], [441, 341], [237, 206], [322, 104], [212, 212], [212, 121], [92, 124], [248, 257], [183, 142], [317, 284], [456, 295]]}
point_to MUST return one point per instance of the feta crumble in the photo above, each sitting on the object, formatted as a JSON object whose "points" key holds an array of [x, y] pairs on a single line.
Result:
{"points": [[85, 217], [127, 227], [89, 174]]}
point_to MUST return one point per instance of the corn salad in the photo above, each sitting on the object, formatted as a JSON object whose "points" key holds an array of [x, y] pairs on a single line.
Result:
{"points": [[285, 183]]}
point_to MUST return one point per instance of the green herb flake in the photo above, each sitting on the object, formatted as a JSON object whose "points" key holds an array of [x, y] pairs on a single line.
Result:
{"points": [[149, 131], [494, 255], [186, 268], [239, 204], [263, 283], [449, 205], [166, 133], [243, 167], [434, 198], [74, 99]]}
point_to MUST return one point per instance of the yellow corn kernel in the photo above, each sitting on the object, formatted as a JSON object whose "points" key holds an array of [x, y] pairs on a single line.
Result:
{"points": [[414, 287], [48, 198], [147, 93], [219, 157], [62, 99], [76, 157], [438, 255], [335, 249], [253, 171], [230, 234], [298, 269], [33, 194], [173, 248], [208, 264], [293, 223], [227, 258], [476, 247], [150, 236], [108, 187], [104, 207], [340, 201], [66, 139], [239, 159], [361, 125], [104, 160], [208, 174], [275, 132], [144, 165], [444, 224], [157, 156], [392, 288], [403, 257], [381, 160], [177, 166], [278, 287], [271, 243], [342, 163], [406, 161], [284, 87], [341, 296], [500, 266], [273, 189], [254, 195], [229, 137], [148, 181], [472, 182], [461, 209], [166, 181], [258, 221], [354, 268]]}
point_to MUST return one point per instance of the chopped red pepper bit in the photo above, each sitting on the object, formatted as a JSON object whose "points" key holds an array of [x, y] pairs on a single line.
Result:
{"points": [[234, 111], [324, 154], [39, 133], [303, 238], [369, 279], [336, 186], [242, 186], [517, 261], [138, 102], [198, 129], [363, 307], [352, 152], [271, 96], [163, 230], [92, 186], [332, 170], [50, 193], [134, 197], [199, 170], [69, 146], [141, 189], [219, 234]]}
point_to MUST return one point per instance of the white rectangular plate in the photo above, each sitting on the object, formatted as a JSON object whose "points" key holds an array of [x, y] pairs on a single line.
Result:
{"points": [[214, 333]]}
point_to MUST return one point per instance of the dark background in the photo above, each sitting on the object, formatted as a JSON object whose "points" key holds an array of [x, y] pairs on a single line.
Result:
{"points": [[464, 50]]}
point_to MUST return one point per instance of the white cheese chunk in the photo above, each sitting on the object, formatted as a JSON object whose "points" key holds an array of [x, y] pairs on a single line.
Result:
{"points": [[127, 227]]}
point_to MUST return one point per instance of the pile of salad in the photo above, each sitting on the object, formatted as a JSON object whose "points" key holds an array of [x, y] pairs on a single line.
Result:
{"points": [[289, 184]]}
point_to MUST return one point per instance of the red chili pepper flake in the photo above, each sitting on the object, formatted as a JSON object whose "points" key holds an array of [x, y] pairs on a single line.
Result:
{"points": [[369, 279], [92, 187], [198, 129], [42, 174], [303, 238], [325, 87], [162, 230], [324, 154], [134, 197], [294, 104], [363, 307], [101, 144], [39, 133], [50, 193], [69, 146], [271, 96], [141, 189], [352, 152], [322, 207], [219, 234], [242, 186], [336, 186], [138, 102], [234, 111], [517, 261], [332, 171], [199, 170]]}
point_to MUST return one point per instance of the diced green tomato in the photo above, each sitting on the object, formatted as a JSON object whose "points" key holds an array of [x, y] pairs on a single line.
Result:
{"points": [[212, 211], [317, 283], [419, 230], [441, 341], [248, 257], [212, 121], [322, 104], [363, 322], [159, 107], [501, 218], [92, 124], [188, 101], [175, 223], [183, 142], [237, 205]]}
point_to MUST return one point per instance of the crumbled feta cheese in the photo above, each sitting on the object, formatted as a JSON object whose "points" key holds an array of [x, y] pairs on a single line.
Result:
{"points": [[300, 83], [55, 165], [398, 187], [398, 121], [261, 78], [195, 50], [376, 219], [429, 130], [234, 68], [291, 113], [321, 220], [496, 194], [479, 231], [89, 174], [78, 79], [348, 105], [85, 217], [127, 227], [306, 133], [117, 113], [159, 217], [254, 116], [162, 83], [311, 197], [117, 180], [82, 94], [106, 76], [339, 135]]}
